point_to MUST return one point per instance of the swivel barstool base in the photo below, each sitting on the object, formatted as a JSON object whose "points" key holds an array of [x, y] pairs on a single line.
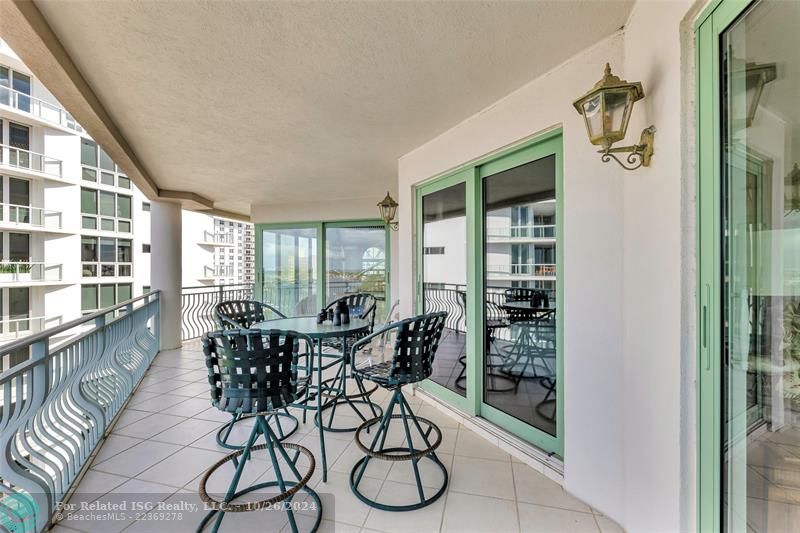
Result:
{"points": [[377, 451], [288, 488], [275, 421]]}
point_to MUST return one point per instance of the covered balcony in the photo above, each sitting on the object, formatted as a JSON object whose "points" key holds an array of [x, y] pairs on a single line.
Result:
{"points": [[519, 266]]}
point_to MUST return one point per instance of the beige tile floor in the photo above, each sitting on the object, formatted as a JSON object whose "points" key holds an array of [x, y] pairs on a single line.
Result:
{"points": [[164, 442]]}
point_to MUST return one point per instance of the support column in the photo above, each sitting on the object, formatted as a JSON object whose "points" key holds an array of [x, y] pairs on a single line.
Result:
{"points": [[166, 267]]}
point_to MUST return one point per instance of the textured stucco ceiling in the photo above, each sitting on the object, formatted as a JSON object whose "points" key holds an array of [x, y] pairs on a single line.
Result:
{"points": [[269, 102]]}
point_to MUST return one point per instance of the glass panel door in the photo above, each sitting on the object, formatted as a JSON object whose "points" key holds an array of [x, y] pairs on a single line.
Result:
{"points": [[760, 359], [19, 308], [355, 262], [22, 84], [19, 196], [444, 280], [520, 373], [19, 137], [288, 274]]}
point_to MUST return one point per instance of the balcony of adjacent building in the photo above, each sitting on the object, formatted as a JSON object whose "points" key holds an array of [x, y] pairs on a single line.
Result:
{"points": [[519, 234], [30, 218], [28, 164], [30, 273], [22, 325], [215, 273], [217, 239], [518, 271], [22, 106]]}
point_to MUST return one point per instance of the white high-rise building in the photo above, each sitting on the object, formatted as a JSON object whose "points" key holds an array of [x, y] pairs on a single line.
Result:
{"points": [[217, 251], [75, 232]]}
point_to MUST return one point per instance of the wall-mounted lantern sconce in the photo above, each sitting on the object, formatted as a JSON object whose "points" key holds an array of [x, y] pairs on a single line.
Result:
{"points": [[606, 110], [755, 77], [388, 209]]}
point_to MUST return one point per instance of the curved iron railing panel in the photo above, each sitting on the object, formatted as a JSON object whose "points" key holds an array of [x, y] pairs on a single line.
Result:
{"points": [[56, 405], [452, 298], [198, 304]]}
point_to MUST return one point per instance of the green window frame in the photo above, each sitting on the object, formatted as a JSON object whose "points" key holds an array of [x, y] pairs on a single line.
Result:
{"points": [[321, 248]]}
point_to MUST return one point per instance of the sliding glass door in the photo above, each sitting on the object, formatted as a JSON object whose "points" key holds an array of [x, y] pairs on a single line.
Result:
{"points": [[355, 262], [750, 268], [520, 366], [488, 253], [443, 265], [288, 269], [302, 267]]}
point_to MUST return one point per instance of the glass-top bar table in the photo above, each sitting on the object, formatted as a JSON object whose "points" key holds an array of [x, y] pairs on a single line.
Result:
{"points": [[320, 332]]}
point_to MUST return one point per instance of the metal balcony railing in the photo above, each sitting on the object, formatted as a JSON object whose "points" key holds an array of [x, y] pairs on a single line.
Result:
{"points": [[60, 391], [38, 108], [532, 231], [27, 271], [453, 299], [17, 327], [30, 216], [27, 160], [217, 238], [198, 303], [546, 270]]}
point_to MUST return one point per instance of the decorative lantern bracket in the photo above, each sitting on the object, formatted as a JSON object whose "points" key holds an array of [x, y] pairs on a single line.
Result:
{"points": [[638, 154]]}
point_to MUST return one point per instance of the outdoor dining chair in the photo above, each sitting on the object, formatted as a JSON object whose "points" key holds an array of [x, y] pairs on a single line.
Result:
{"points": [[415, 345], [242, 314], [255, 372]]}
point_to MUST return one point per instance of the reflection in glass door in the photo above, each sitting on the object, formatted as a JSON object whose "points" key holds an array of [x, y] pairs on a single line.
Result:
{"points": [[760, 146], [444, 278], [355, 262], [288, 275], [520, 371]]}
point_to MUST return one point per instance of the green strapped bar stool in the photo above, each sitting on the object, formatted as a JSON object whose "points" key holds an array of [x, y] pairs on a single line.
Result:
{"points": [[364, 306], [242, 314], [415, 345], [255, 372]]}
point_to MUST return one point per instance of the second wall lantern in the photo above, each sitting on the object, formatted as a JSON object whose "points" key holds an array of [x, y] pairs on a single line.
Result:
{"points": [[606, 110], [388, 208]]}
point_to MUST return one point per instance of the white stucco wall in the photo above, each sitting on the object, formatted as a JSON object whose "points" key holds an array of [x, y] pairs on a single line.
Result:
{"points": [[653, 288], [626, 281]]}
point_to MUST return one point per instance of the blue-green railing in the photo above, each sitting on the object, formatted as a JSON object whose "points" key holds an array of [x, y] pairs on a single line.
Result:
{"points": [[59, 398]]}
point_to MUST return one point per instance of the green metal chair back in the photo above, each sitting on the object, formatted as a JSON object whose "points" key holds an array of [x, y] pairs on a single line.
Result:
{"points": [[238, 314], [253, 371], [415, 345]]}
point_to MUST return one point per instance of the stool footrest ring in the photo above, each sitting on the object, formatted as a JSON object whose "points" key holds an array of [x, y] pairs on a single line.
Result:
{"points": [[252, 506]]}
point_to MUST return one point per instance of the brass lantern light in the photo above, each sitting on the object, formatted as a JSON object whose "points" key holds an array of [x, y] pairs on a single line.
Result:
{"points": [[388, 209], [606, 110]]}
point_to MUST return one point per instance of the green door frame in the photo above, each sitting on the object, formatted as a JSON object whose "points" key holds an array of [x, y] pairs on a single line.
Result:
{"points": [[542, 145], [320, 227], [467, 403], [708, 31]]}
